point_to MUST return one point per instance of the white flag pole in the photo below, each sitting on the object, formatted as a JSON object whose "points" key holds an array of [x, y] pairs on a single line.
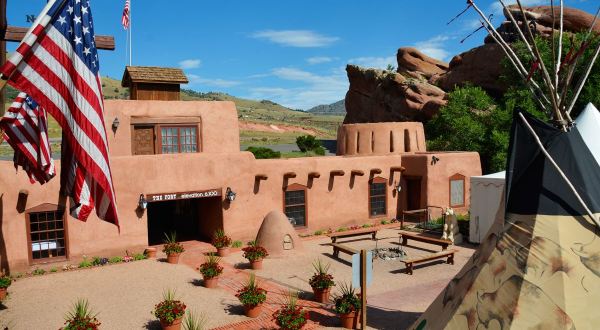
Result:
{"points": [[130, 33]]}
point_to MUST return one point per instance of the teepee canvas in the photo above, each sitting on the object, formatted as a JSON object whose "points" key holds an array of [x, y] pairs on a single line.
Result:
{"points": [[541, 268]]}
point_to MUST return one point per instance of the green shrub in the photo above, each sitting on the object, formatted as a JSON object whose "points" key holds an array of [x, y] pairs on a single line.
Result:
{"points": [[384, 222], [85, 263], [5, 281], [264, 153], [115, 260], [308, 143], [341, 229], [367, 225], [53, 270], [318, 232], [139, 256], [38, 271], [236, 244], [319, 151]]}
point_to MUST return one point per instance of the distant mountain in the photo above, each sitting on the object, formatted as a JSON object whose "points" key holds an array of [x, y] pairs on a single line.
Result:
{"points": [[337, 108]]}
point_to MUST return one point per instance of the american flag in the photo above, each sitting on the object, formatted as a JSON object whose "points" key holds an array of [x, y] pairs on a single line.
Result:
{"points": [[57, 65], [125, 18], [25, 127]]}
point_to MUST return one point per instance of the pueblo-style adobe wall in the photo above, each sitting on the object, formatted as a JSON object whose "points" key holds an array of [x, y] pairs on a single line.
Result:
{"points": [[181, 157]]}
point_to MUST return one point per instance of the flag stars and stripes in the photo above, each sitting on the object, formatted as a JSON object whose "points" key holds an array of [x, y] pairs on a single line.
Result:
{"points": [[77, 19], [86, 51], [70, 10], [62, 20], [84, 10]]}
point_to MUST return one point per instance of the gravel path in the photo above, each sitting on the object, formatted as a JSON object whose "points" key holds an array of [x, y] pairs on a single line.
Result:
{"points": [[123, 295]]}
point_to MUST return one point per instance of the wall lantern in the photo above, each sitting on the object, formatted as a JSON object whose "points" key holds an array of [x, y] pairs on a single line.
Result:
{"points": [[229, 194], [142, 202], [399, 187], [434, 160], [116, 123]]}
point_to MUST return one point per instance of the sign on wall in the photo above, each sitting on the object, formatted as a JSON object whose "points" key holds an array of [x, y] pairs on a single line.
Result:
{"points": [[183, 195]]}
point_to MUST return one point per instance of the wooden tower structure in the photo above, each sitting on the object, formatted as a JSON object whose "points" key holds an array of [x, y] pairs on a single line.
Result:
{"points": [[153, 83]]}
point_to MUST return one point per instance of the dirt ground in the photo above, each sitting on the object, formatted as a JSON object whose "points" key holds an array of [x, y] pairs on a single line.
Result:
{"points": [[124, 295]]}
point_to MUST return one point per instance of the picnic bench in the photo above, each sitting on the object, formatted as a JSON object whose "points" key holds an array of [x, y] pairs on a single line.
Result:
{"points": [[405, 236], [355, 232], [337, 248], [419, 259]]}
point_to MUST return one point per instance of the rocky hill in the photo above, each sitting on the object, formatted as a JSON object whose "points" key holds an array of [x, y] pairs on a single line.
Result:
{"points": [[418, 88], [336, 108]]}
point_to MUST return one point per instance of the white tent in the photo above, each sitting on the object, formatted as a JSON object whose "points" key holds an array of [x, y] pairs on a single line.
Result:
{"points": [[486, 194], [588, 124]]}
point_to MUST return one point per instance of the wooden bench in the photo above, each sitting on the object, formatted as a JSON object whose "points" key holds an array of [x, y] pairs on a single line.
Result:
{"points": [[425, 239], [337, 248], [355, 232], [439, 255]]}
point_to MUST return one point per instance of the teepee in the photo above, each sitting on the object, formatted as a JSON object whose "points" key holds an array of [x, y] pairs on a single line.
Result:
{"points": [[539, 265]]}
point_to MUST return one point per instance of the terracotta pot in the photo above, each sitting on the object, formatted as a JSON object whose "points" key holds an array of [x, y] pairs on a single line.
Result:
{"points": [[211, 283], [253, 311], [256, 264], [150, 252], [173, 258], [223, 252], [176, 325], [2, 293], [322, 295], [348, 320]]}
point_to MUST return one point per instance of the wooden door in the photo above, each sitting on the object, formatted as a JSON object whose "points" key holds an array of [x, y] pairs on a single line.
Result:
{"points": [[413, 193], [143, 140]]}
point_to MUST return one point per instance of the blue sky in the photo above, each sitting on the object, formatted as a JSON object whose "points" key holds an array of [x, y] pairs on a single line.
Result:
{"points": [[293, 52]]}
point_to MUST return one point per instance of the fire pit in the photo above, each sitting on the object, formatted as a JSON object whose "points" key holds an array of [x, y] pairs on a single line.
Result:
{"points": [[389, 253]]}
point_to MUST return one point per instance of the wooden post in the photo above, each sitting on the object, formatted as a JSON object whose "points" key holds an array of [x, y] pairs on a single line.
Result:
{"points": [[363, 289]]}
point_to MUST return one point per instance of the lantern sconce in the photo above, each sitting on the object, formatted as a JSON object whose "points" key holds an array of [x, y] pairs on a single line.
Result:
{"points": [[115, 123], [398, 187], [142, 202], [434, 160], [230, 194]]}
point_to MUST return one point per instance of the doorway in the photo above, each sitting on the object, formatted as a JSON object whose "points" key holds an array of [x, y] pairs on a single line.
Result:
{"points": [[191, 219], [413, 193]]}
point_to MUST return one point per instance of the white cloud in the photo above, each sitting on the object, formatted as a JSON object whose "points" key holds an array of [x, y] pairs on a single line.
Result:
{"points": [[190, 64], [296, 38], [314, 90], [434, 47], [197, 80], [319, 59], [374, 62]]}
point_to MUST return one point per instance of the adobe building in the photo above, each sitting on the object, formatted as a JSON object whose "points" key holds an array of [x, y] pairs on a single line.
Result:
{"points": [[177, 166]]}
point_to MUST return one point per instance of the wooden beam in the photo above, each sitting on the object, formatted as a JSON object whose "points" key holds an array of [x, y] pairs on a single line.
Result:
{"points": [[261, 177], [337, 172], [357, 172], [376, 170], [2, 50], [314, 174], [15, 33], [289, 174], [397, 168]]}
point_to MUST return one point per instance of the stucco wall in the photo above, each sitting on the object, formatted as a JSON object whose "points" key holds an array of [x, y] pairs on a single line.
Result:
{"points": [[380, 138]]}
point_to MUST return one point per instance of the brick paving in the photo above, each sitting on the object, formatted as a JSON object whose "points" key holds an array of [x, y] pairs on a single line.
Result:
{"points": [[233, 279]]}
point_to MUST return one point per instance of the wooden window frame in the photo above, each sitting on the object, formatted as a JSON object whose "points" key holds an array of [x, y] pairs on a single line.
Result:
{"points": [[457, 177], [159, 145], [378, 180], [298, 187], [44, 208]]}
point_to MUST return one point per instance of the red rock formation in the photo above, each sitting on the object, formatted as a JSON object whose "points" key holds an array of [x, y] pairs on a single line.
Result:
{"points": [[415, 64]]}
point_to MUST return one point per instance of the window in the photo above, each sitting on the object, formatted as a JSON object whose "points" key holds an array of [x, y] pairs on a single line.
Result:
{"points": [[457, 190], [46, 227], [295, 204], [178, 139], [377, 197]]}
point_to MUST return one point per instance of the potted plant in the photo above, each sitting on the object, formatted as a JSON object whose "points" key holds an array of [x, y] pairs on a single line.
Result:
{"points": [[321, 281], [172, 248], [170, 311], [5, 282], [347, 305], [192, 321], [221, 242], [291, 316], [81, 317], [211, 270], [255, 254], [252, 297], [150, 252]]}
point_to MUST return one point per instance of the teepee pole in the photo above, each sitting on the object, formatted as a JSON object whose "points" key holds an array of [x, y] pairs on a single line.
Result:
{"points": [[584, 78], [559, 50], [562, 174]]}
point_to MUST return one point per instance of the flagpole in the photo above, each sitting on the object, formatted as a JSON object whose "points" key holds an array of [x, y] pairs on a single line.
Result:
{"points": [[130, 33]]}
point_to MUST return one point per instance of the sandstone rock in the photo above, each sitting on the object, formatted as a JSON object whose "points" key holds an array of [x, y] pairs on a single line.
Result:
{"points": [[380, 96], [418, 65], [480, 66]]}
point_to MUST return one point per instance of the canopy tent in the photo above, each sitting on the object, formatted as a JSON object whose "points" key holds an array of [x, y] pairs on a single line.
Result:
{"points": [[588, 124], [541, 269], [486, 193]]}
